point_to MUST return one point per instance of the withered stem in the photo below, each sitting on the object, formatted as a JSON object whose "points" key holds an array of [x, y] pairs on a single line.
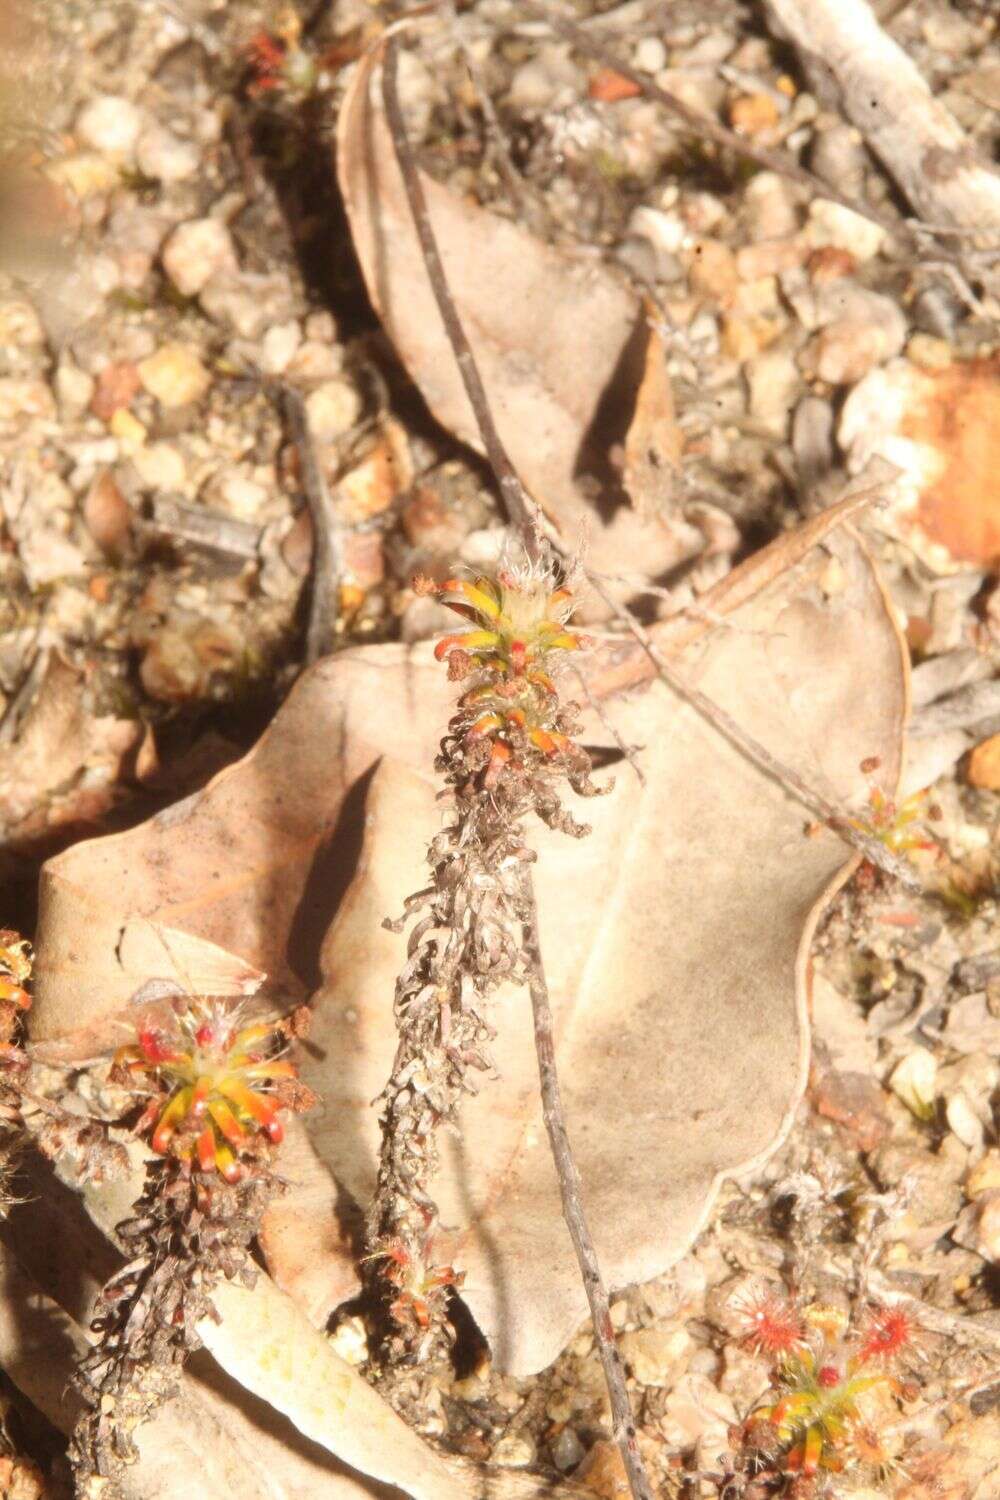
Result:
{"points": [[520, 511], [623, 1422], [327, 557]]}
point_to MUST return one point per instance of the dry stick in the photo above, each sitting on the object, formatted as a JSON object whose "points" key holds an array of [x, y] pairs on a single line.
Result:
{"points": [[204, 528], [623, 1422], [515, 500], [327, 560], [774, 769], [521, 514], [526, 206], [627, 750]]}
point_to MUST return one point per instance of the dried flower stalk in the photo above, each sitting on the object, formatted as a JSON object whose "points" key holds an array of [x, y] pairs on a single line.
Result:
{"points": [[507, 750]]}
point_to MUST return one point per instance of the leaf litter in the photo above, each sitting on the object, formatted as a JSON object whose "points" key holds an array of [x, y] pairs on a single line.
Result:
{"points": [[244, 882]]}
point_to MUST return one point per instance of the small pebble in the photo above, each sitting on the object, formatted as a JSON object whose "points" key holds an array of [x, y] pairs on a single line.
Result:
{"points": [[197, 251], [364, 559], [129, 431], [744, 336], [134, 236], [666, 233], [929, 352], [839, 156], [174, 375], [350, 1340], [650, 55], [25, 398], [984, 1177], [547, 80], [603, 1472], [278, 347], [333, 409], [713, 271], [862, 329], [321, 326], [701, 212], [315, 360], [110, 124], [754, 114], [20, 325], [239, 495], [515, 1450], [657, 1355], [116, 387], [988, 1228], [86, 174], [248, 303], [160, 467], [73, 388], [812, 438], [770, 209], [567, 1450], [829, 263], [832, 224], [163, 157], [773, 382]]}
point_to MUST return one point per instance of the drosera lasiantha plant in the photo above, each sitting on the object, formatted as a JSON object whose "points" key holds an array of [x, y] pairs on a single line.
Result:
{"points": [[507, 753], [835, 1393], [210, 1086], [215, 1082]]}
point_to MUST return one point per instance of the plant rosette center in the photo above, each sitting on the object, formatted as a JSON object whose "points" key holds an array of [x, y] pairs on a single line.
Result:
{"points": [[214, 1083]]}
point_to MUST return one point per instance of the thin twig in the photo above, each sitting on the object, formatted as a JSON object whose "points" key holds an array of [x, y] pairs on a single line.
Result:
{"points": [[327, 559], [598, 708], [528, 207], [623, 1422], [203, 528], [17, 706], [519, 509], [873, 849]]}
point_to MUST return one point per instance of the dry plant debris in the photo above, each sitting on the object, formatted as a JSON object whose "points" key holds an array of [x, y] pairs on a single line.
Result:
{"points": [[210, 441]]}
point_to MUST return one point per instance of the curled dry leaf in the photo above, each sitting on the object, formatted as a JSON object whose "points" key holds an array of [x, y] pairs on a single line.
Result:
{"points": [[560, 343], [675, 935]]}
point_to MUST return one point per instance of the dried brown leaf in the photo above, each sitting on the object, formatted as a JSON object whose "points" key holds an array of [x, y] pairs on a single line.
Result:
{"points": [[676, 934], [560, 342], [675, 939]]}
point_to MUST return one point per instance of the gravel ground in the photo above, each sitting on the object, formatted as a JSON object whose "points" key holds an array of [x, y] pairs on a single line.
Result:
{"points": [[175, 255]]}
